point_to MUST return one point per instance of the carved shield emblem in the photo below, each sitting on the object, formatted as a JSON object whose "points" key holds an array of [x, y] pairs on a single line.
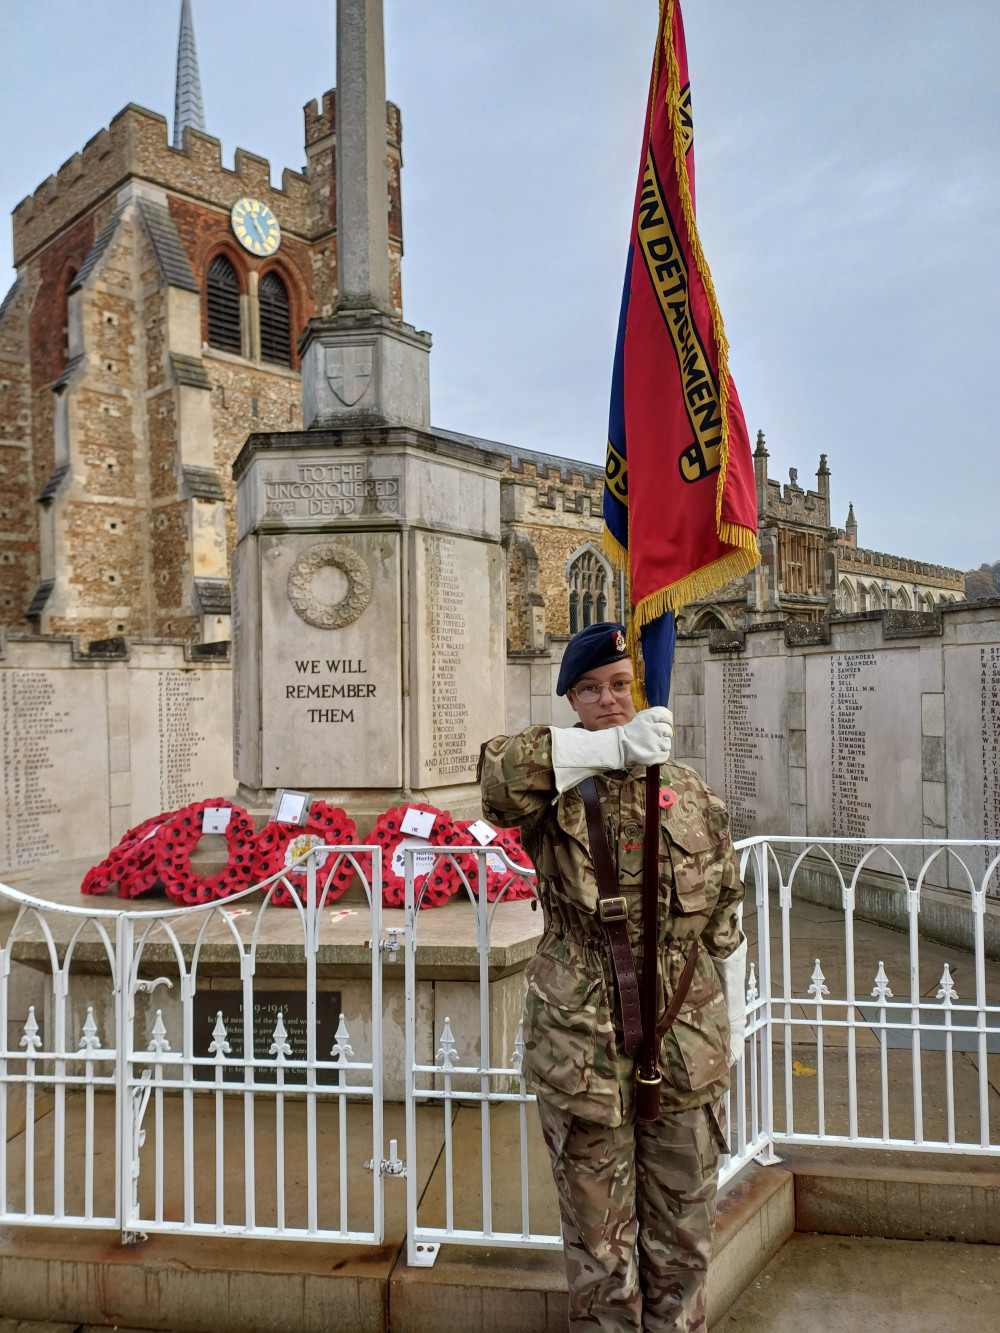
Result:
{"points": [[349, 372]]}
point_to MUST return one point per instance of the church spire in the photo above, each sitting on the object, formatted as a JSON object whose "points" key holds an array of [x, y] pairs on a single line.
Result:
{"points": [[188, 108]]}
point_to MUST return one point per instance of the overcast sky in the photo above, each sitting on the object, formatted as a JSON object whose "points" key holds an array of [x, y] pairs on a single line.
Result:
{"points": [[848, 166]]}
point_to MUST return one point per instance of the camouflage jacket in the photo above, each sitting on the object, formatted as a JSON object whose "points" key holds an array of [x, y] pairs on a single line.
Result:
{"points": [[574, 1056]]}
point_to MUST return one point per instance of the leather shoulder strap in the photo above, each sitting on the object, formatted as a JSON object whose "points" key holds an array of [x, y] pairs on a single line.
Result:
{"points": [[613, 911]]}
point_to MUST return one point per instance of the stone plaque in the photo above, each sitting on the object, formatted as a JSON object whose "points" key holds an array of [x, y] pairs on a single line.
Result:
{"points": [[746, 736], [180, 738], [863, 745], [267, 1005], [972, 726], [331, 694], [459, 625], [310, 494], [54, 780]]}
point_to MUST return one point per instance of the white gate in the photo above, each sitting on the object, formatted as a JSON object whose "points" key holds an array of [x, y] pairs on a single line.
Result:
{"points": [[175, 1074]]}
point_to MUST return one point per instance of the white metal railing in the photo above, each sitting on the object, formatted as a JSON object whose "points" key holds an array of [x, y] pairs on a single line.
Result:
{"points": [[113, 1114], [854, 1062], [253, 1132]]}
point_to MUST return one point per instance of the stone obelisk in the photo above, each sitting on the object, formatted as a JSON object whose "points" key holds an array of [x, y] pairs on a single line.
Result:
{"points": [[368, 589]]}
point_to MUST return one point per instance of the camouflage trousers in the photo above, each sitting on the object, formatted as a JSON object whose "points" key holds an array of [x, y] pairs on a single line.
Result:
{"points": [[638, 1217]]}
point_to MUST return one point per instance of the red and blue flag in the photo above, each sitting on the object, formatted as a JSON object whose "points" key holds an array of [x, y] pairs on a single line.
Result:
{"points": [[680, 507]]}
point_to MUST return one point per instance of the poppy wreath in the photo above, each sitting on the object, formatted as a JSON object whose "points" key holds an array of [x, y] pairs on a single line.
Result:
{"points": [[509, 840], [176, 840], [128, 864], [498, 874], [279, 844], [442, 882]]}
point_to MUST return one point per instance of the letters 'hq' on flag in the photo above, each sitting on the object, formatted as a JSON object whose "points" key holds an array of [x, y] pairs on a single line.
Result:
{"points": [[680, 507]]}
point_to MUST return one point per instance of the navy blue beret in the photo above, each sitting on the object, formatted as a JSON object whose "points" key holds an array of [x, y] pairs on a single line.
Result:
{"points": [[593, 647]]}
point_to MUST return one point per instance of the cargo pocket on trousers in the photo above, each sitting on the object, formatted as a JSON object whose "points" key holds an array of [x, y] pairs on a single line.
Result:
{"points": [[560, 1024]]}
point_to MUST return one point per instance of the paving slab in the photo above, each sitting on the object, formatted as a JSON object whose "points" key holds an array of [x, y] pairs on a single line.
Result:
{"points": [[837, 1284]]}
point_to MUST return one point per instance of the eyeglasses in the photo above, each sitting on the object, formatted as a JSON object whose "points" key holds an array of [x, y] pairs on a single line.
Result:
{"points": [[589, 694]]}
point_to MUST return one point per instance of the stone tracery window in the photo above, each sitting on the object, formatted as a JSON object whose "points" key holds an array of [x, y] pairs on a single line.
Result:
{"points": [[588, 591]]}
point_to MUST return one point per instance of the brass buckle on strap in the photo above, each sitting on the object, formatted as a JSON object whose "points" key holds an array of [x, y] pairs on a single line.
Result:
{"points": [[613, 909], [650, 1082]]}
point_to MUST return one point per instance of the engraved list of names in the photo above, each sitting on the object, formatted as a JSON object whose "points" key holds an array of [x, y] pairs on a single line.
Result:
{"points": [[863, 742], [458, 687], [448, 633], [989, 684], [852, 677], [747, 741], [54, 790]]}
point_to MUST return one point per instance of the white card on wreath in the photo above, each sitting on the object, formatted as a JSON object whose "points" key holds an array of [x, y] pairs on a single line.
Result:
{"points": [[418, 823], [291, 807], [423, 862], [215, 818], [482, 832]]}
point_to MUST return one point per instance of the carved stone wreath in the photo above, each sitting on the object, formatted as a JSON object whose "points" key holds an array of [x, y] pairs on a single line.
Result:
{"points": [[359, 585]]}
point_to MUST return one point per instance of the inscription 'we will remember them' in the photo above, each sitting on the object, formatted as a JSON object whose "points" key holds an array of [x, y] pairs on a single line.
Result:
{"points": [[332, 684]]}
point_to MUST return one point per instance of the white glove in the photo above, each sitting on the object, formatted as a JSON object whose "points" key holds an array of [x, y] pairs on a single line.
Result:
{"points": [[648, 738], [732, 979], [578, 753]]}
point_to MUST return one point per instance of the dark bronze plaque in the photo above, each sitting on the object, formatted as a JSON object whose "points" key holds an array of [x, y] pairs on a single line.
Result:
{"points": [[291, 1004]]}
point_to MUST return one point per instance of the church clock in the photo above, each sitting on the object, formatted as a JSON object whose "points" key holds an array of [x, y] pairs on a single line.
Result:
{"points": [[255, 226]]}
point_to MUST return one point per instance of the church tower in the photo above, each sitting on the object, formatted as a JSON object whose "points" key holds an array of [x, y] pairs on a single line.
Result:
{"points": [[153, 325]]}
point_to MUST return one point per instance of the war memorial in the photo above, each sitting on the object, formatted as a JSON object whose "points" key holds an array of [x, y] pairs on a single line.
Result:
{"points": [[304, 1107]]}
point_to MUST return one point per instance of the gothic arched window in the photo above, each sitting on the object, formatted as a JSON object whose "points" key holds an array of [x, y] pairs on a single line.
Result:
{"points": [[846, 598], [222, 296], [275, 321], [588, 591]]}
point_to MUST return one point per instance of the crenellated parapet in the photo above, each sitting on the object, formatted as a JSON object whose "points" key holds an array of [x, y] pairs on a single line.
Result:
{"points": [[858, 560], [136, 144]]}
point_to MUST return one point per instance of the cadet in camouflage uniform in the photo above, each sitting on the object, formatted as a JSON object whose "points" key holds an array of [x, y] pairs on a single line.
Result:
{"points": [[637, 1200]]}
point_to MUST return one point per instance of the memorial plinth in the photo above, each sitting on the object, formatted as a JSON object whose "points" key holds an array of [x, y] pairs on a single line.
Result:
{"points": [[368, 618]]}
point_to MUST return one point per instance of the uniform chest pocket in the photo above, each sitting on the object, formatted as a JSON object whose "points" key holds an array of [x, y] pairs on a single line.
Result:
{"points": [[697, 867], [560, 1023]]}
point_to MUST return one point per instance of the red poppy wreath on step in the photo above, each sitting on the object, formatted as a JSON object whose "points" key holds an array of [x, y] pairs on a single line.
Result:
{"points": [[499, 876], [129, 864], [279, 845], [435, 881], [175, 842]]}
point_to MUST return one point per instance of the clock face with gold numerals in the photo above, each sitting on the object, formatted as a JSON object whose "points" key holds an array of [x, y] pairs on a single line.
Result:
{"points": [[255, 226]]}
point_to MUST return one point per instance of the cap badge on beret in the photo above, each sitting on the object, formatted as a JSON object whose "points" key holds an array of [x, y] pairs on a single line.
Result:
{"points": [[619, 641]]}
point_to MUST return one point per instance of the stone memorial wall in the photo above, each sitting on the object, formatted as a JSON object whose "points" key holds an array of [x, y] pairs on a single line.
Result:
{"points": [[90, 746], [748, 751], [872, 726]]}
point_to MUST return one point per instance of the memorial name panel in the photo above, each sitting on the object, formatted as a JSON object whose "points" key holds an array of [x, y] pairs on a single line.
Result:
{"points": [[54, 760], [972, 731], [330, 661], [746, 721], [460, 683], [863, 745], [180, 738]]}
